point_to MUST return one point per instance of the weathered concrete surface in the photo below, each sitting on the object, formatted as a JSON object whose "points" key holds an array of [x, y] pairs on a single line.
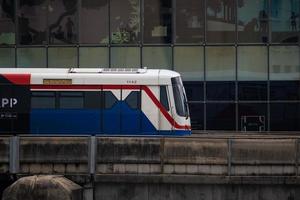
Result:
{"points": [[125, 191], [43, 188], [53, 155], [4, 154]]}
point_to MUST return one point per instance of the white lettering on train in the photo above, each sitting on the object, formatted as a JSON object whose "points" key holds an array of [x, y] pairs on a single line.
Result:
{"points": [[8, 102]]}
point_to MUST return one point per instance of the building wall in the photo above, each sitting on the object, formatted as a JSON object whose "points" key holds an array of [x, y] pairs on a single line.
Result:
{"points": [[239, 59]]}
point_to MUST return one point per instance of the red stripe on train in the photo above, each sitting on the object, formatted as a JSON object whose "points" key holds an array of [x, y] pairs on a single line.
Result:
{"points": [[128, 87], [18, 79]]}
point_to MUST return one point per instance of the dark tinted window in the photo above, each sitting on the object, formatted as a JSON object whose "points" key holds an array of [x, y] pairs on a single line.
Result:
{"points": [[133, 100], [194, 90], [179, 97], [71, 100], [43, 100], [285, 90], [253, 116], [197, 115], [92, 99], [220, 116], [109, 99], [254, 90], [285, 116], [220, 90], [164, 97]]}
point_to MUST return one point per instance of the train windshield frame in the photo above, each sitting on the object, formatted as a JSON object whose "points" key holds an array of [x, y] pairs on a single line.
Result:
{"points": [[181, 104]]}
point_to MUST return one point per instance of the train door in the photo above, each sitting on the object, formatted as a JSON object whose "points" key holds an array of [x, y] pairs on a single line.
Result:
{"points": [[111, 119], [131, 111]]}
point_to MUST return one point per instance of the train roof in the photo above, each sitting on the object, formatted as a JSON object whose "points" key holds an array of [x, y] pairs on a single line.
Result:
{"points": [[134, 76]]}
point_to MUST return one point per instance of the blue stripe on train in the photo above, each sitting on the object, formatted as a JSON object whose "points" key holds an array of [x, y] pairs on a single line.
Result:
{"points": [[93, 121]]}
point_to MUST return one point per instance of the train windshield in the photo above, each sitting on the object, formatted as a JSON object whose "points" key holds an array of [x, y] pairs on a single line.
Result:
{"points": [[180, 97]]}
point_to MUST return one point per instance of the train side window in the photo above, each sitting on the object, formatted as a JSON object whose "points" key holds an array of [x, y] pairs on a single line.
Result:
{"points": [[43, 100], [133, 100], [71, 100], [164, 97], [109, 99], [92, 99]]}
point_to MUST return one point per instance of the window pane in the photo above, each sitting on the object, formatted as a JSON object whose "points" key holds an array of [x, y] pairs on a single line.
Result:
{"points": [[157, 57], [285, 90], [125, 57], [7, 25], [189, 61], [220, 116], [252, 63], [43, 100], [194, 90], [158, 21], [32, 16], [71, 100], [253, 90], [94, 21], [221, 21], [197, 113], [93, 57], [62, 21], [285, 117], [220, 63], [284, 63], [133, 100], [190, 21], [62, 57], [220, 91], [7, 57], [109, 99], [92, 100], [164, 100], [253, 116], [253, 21], [125, 21], [31, 57], [285, 21]]}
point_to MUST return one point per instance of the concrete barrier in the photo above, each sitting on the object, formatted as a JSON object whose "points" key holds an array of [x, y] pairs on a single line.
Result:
{"points": [[4, 154], [43, 187], [53, 155]]}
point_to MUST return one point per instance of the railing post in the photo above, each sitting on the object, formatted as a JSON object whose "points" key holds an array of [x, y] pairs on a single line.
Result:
{"points": [[14, 159], [229, 144], [92, 154]]}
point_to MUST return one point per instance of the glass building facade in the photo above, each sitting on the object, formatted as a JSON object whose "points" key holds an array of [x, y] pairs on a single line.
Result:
{"points": [[240, 59]]}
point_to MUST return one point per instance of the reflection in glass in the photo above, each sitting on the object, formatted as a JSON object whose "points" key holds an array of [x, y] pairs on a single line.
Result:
{"points": [[62, 57], [7, 25], [197, 115], [190, 21], [285, 21], [157, 21], [125, 57], [93, 57], [220, 91], [157, 57], [284, 63], [94, 21], [285, 116], [252, 63], [220, 63], [31, 57], [221, 21], [189, 62], [32, 24], [62, 21], [7, 57], [253, 21], [125, 21], [220, 116], [253, 116]]}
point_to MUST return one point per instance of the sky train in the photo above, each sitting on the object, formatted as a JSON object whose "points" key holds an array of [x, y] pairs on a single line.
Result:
{"points": [[93, 101]]}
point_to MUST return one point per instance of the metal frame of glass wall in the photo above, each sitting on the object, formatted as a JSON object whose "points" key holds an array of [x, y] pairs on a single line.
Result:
{"points": [[222, 95]]}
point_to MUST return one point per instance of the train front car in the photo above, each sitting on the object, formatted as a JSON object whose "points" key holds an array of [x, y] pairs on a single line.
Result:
{"points": [[179, 123]]}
